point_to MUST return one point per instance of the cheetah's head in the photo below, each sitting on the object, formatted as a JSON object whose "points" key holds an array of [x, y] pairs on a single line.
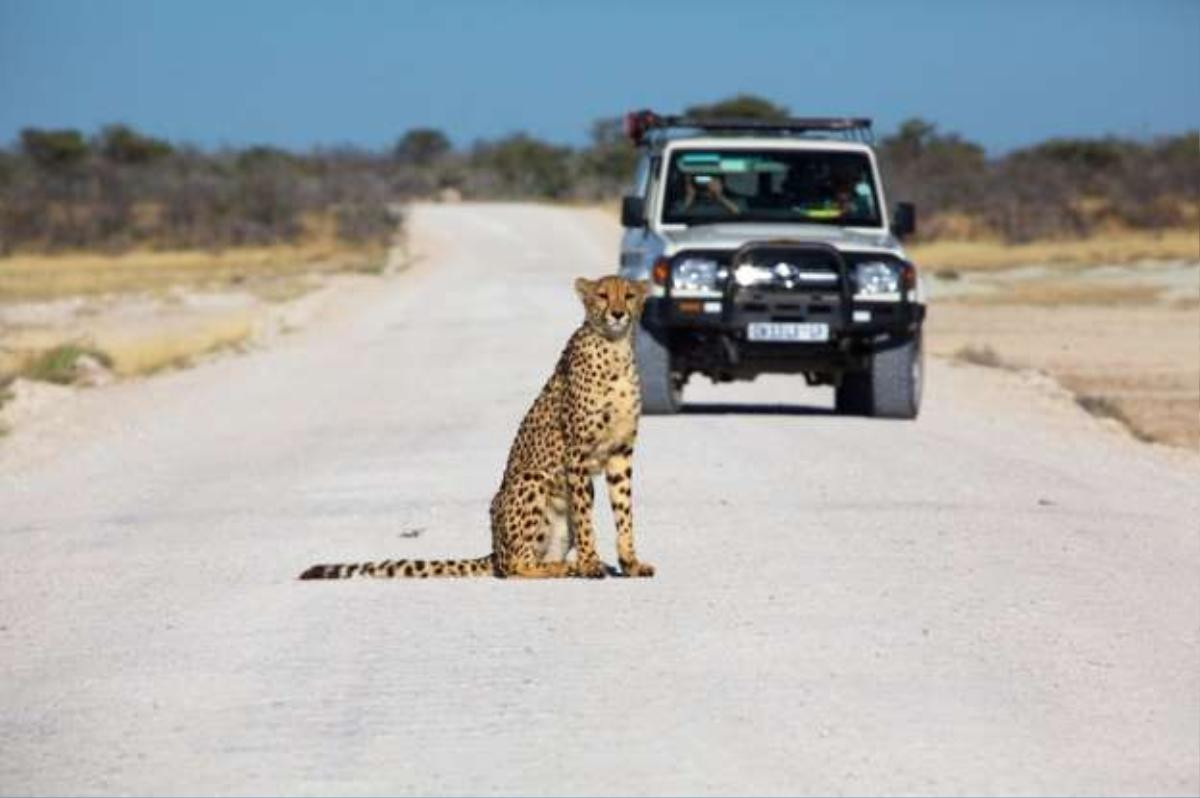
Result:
{"points": [[613, 304]]}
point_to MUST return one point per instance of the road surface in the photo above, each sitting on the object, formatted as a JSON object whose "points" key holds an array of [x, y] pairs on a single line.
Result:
{"points": [[1001, 597]]}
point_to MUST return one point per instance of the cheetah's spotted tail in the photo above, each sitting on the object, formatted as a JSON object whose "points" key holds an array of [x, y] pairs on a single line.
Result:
{"points": [[403, 569]]}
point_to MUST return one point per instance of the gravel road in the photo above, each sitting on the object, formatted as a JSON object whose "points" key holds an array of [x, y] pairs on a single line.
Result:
{"points": [[999, 598]]}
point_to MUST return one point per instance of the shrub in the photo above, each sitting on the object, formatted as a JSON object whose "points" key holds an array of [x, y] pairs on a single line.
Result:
{"points": [[421, 147], [748, 106], [520, 165], [123, 145], [60, 365], [981, 356], [53, 149]]}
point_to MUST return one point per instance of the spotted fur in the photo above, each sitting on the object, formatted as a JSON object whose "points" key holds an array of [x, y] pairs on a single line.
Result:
{"points": [[584, 422]]}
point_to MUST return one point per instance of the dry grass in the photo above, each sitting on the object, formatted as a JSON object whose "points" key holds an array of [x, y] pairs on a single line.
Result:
{"points": [[1110, 407], [135, 353], [980, 356], [128, 349], [1117, 247], [132, 343], [283, 288], [1055, 293], [39, 277]]}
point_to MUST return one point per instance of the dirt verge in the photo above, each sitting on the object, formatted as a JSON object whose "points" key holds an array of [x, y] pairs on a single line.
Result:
{"points": [[137, 315], [1125, 341]]}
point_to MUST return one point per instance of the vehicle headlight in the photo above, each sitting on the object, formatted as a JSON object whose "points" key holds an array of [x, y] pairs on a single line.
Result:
{"points": [[877, 277], [696, 274]]}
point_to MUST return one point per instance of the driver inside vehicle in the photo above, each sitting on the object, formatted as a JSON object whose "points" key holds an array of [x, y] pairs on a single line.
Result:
{"points": [[705, 194]]}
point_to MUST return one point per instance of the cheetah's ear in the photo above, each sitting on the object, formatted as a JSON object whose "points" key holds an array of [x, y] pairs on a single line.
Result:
{"points": [[643, 286], [585, 288]]}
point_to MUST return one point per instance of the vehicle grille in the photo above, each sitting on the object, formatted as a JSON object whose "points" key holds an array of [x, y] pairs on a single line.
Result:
{"points": [[787, 283]]}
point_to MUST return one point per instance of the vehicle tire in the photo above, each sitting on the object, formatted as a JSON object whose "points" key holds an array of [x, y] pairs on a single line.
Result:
{"points": [[661, 392], [852, 396], [891, 386]]}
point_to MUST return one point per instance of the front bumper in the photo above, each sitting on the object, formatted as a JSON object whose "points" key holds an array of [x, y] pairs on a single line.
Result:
{"points": [[709, 333], [860, 320]]}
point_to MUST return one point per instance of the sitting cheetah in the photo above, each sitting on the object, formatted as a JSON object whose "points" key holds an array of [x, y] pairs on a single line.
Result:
{"points": [[584, 421]]}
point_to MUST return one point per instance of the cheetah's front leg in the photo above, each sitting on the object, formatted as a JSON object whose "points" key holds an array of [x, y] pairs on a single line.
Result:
{"points": [[580, 496], [618, 472]]}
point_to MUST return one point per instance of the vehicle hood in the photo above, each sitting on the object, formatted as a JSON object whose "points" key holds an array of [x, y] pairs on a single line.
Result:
{"points": [[732, 236]]}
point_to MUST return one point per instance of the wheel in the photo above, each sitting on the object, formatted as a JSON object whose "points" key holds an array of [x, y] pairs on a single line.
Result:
{"points": [[852, 396], [662, 393], [897, 378], [891, 385]]}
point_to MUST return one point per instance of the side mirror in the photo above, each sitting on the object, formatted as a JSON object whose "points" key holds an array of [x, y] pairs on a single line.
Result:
{"points": [[904, 221], [633, 212]]}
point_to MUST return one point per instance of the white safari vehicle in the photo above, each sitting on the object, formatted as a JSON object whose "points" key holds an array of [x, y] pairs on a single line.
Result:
{"points": [[770, 251]]}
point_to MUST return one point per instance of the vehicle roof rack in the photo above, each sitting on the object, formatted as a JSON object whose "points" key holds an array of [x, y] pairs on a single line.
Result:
{"points": [[641, 126]]}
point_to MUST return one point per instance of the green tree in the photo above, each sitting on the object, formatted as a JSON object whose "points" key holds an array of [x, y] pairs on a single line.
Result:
{"points": [[917, 143], [611, 157], [937, 171], [525, 166], [8, 168], [1185, 146], [909, 141], [1087, 154], [421, 146], [262, 157], [52, 149], [121, 144], [745, 106]]}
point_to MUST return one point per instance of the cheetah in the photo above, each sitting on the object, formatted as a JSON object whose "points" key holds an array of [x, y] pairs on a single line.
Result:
{"points": [[583, 422]]}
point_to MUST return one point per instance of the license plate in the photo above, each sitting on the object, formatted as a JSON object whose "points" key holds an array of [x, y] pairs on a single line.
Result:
{"points": [[787, 331]]}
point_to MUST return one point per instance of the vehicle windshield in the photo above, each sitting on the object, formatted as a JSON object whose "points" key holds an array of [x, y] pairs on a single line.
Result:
{"points": [[800, 186]]}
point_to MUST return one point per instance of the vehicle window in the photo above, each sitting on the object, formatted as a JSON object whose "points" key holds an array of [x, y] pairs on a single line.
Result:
{"points": [[706, 186]]}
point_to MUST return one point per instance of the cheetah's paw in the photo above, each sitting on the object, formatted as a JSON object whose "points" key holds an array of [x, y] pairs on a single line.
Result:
{"points": [[591, 568], [637, 568]]}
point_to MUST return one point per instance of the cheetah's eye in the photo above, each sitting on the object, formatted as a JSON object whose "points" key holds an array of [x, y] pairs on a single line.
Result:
{"points": [[628, 296]]}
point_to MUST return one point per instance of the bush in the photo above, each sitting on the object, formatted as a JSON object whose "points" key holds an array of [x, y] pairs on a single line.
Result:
{"points": [[522, 166], [747, 106], [130, 189], [60, 365], [605, 168], [120, 144], [53, 149], [422, 147], [362, 222], [1058, 188]]}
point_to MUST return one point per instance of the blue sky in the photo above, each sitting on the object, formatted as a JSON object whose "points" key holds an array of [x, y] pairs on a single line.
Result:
{"points": [[298, 73]]}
